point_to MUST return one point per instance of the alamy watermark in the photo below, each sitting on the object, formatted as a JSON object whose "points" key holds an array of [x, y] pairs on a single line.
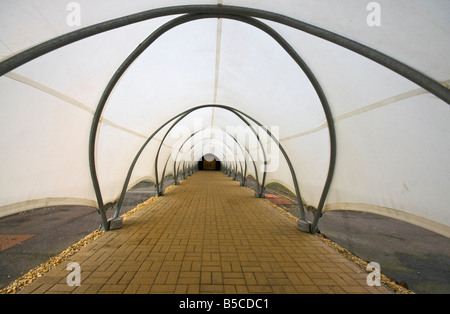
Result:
{"points": [[74, 16], [374, 17], [74, 277], [374, 277]]}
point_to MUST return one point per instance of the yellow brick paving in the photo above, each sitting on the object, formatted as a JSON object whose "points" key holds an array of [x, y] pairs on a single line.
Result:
{"points": [[208, 235]]}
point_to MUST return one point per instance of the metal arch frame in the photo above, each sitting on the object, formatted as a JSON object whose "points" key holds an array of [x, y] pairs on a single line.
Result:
{"points": [[226, 147], [128, 177], [144, 145], [233, 164], [176, 169], [181, 116], [260, 189], [127, 63], [235, 157], [225, 132], [244, 172], [186, 18], [158, 191], [184, 161], [159, 186], [404, 70], [175, 172]]}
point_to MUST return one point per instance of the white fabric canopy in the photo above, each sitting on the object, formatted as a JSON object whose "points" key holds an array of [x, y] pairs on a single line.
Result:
{"points": [[392, 135]]}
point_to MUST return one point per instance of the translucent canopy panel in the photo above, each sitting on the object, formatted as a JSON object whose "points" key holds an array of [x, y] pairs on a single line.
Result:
{"points": [[344, 102]]}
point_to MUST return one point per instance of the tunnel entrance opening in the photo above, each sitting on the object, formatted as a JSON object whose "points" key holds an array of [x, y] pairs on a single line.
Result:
{"points": [[209, 162]]}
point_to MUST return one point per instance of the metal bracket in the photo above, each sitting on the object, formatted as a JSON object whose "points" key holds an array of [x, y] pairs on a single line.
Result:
{"points": [[304, 225], [115, 223]]}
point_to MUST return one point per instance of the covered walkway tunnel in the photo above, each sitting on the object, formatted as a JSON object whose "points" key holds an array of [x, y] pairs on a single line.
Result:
{"points": [[346, 104]]}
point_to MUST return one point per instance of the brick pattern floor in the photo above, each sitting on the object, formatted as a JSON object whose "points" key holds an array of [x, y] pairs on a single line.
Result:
{"points": [[208, 235]]}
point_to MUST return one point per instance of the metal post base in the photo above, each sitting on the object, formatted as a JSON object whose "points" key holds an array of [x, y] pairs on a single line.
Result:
{"points": [[304, 225], [115, 223]]}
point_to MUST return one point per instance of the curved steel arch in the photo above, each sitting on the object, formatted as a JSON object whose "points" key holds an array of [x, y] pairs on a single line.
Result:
{"points": [[144, 145], [404, 70], [225, 132], [191, 150], [159, 149], [186, 18], [165, 166], [318, 213], [235, 162], [175, 174], [140, 49], [181, 116], [260, 190]]}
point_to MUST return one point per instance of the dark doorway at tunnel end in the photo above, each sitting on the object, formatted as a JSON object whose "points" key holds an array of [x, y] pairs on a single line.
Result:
{"points": [[209, 162]]}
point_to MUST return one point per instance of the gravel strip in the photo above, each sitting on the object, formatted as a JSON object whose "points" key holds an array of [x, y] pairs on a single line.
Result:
{"points": [[40, 270]]}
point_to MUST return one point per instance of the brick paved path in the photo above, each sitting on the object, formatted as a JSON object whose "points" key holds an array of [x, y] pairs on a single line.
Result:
{"points": [[208, 235]]}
